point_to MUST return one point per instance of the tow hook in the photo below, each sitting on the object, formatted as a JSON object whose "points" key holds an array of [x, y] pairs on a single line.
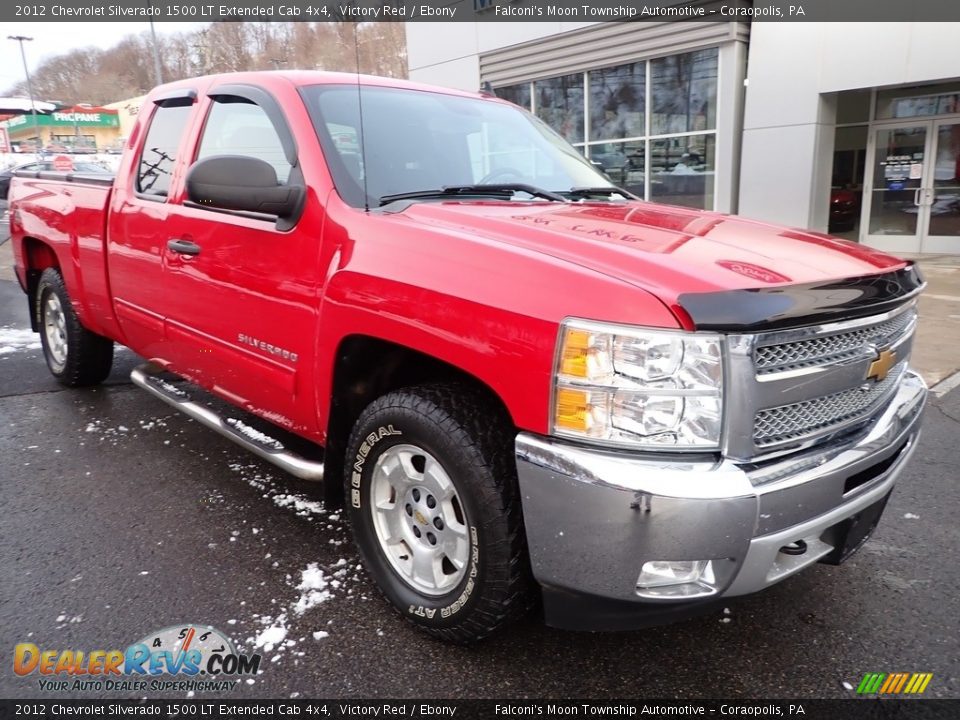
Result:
{"points": [[798, 547]]}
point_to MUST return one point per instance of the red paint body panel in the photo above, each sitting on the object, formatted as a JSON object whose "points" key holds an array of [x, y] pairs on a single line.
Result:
{"points": [[70, 219], [259, 315]]}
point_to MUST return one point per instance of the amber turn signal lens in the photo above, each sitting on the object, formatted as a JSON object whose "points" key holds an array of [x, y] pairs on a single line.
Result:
{"points": [[574, 353], [572, 410]]}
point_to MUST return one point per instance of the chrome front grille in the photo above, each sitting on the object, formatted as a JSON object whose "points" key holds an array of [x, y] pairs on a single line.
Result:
{"points": [[790, 389], [823, 414], [822, 350]]}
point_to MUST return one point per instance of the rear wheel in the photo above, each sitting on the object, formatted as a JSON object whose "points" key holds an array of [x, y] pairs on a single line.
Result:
{"points": [[432, 496], [75, 356]]}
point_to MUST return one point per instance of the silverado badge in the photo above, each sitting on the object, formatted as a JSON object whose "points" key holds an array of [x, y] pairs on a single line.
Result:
{"points": [[881, 366]]}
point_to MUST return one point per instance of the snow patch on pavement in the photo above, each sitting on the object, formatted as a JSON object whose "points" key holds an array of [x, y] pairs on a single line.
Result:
{"points": [[302, 506], [13, 340], [114, 435], [313, 589], [273, 635], [317, 585]]}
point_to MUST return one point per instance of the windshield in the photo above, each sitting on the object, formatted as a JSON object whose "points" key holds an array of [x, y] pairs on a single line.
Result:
{"points": [[415, 141]]}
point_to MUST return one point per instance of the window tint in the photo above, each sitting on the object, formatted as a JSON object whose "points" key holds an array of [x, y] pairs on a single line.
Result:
{"points": [[160, 149], [242, 128]]}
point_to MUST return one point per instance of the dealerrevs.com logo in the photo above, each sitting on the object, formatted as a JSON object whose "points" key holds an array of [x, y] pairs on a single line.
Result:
{"points": [[180, 658]]}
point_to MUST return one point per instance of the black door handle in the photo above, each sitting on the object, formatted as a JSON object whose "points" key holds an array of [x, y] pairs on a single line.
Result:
{"points": [[183, 247]]}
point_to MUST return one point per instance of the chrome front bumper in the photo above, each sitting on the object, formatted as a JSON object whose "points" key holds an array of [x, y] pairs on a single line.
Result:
{"points": [[593, 518]]}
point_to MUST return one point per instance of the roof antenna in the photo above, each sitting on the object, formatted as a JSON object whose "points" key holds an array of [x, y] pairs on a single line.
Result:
{"points": [[363, 143]]}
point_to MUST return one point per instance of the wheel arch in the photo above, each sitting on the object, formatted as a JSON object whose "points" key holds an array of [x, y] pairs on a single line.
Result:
{"points": [[367, 367], [37, 257]]}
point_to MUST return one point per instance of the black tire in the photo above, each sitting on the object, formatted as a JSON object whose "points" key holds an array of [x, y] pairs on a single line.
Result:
{"points": [[89, 356], [472, 440]]}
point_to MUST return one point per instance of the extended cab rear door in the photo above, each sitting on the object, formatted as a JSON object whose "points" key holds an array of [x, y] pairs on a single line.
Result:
{"points": [[241, 289]]}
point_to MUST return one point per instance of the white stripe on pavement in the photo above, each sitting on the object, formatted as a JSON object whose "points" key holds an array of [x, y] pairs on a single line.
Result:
{"points": [[946, 385]]}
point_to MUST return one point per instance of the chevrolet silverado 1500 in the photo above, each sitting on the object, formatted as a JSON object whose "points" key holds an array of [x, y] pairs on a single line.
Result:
{"points": [[528, 385]]}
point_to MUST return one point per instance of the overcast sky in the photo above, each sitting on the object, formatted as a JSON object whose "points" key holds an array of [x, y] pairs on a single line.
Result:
{"points": [[53, 38]]}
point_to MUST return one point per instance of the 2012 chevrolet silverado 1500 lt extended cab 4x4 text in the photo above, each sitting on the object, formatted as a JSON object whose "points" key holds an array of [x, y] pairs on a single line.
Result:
{"points": [[528, 385]]}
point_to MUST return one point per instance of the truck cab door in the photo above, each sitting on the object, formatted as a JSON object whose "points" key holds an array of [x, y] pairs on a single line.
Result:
{"points": [[138, 218], [242, 288]]}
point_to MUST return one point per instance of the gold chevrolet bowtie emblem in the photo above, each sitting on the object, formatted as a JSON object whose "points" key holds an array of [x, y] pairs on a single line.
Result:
{"points": [[881, 366]]}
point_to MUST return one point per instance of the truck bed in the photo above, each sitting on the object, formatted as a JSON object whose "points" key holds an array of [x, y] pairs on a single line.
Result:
{"points": [[69, 211]]}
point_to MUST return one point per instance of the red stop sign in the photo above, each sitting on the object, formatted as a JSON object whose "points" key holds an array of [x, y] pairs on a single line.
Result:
{"points": [[62, 163]]}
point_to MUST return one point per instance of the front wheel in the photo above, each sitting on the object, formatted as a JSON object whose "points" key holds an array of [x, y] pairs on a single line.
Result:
{"points": [[432, 496], [75, 356]]}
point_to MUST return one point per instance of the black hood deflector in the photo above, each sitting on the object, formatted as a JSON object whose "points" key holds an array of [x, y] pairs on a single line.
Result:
{"points": [[790, 306]]}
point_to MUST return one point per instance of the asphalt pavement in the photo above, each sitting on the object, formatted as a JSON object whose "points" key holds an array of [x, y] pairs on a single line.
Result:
{"points": [[120, 518]]}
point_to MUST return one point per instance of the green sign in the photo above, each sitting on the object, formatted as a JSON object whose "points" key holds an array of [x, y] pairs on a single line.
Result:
{"points": [[65, 119]]}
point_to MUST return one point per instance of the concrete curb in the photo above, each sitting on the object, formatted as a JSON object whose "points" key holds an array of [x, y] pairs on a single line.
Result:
{"points": [[946, 385]]}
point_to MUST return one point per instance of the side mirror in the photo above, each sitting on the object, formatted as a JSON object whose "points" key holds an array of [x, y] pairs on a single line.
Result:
{"points": [[239, 182]]}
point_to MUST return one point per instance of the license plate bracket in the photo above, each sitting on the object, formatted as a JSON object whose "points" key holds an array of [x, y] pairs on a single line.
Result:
{"points": [[849, 535]]}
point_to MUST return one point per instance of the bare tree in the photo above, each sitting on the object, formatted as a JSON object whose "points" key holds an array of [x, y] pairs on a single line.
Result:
{"points": [[100, 76]]}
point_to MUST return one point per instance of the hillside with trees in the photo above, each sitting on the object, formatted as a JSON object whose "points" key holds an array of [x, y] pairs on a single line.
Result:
{"points": [[97, 76]]}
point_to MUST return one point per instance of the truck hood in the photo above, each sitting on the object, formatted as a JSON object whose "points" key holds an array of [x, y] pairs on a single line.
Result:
{"points": [[665, 250]]}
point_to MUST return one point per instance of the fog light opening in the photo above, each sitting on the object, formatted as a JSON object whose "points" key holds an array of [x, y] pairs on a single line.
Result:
{"points": [[677, 579]]}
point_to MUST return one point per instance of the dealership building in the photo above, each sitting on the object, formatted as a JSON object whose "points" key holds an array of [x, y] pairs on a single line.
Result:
{"points": [[848, 127]]}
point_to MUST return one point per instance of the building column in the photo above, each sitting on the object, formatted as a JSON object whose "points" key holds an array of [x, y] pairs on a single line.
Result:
{"points": [[730, 97]]}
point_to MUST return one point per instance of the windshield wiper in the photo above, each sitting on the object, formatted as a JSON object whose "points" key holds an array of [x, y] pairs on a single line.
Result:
{"points": [[505, 190], [606, 191]]}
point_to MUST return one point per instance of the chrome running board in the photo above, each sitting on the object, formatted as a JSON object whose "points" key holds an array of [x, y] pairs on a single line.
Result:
{"points": [[147, 376]]}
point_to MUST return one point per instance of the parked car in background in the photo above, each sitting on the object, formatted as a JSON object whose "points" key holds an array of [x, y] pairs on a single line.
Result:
{"points": [[43, 166], [83, 149], [844, 209]]}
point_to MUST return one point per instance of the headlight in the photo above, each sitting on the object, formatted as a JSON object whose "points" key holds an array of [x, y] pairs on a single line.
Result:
{"points": [[631, 387]]}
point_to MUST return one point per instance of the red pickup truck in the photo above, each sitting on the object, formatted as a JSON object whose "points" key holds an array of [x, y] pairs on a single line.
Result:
{"points": [[528, 385]]}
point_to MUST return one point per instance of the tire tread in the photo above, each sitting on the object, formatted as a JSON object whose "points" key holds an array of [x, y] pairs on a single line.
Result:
{"points": [[89, 355], [477, 423]]}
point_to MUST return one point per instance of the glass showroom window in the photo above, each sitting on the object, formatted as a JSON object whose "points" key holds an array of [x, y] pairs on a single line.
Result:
{"points": [[650, 126], [517, 94], [618, 99], [684, 93], [618, 96], [682, 170], [559, 102], [683, 123], [623, 162]]}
